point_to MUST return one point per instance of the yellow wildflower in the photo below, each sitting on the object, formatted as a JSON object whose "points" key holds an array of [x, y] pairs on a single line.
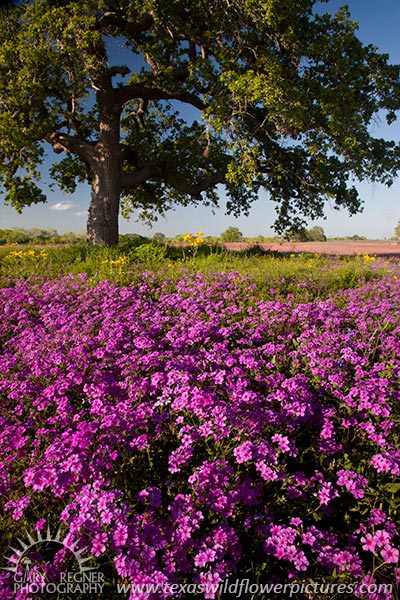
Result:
{"points": [[194, 240]]}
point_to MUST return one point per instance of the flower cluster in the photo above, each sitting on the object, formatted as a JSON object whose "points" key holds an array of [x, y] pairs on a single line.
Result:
{"points": [[194, 240], [121, 261], [189, 431], [29, 255]]}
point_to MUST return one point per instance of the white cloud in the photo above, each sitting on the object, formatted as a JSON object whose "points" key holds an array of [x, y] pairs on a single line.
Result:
{"points": [[81, 213], [62, 206]]}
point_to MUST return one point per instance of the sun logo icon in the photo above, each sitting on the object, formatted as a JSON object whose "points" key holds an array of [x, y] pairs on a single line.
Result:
{"points": [[21, 561]]}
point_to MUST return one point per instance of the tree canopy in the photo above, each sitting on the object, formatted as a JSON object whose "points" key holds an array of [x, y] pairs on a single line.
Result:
{"points": [[282, 96]]}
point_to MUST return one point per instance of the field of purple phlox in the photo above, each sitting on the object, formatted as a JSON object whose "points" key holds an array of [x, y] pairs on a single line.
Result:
{"points": [[191, 432]]}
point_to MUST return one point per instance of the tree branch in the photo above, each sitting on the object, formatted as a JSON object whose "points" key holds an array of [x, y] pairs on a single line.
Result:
{"points": [[205, 184], [122, 70], [125, 94], [64, 142], [131, 180], [141, 176], [129, 28]]}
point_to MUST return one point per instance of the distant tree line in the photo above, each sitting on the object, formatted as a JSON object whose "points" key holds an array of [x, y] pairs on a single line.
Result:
{"points": [[34, 235], [315, 234], [233, 234]]}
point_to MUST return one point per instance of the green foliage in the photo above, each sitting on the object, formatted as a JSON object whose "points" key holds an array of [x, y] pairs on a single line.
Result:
{"points": [[354, 237], [129, 241], [232, 234], [18, 235], [149, 253], [316, 234], [296, 234], [301, 234], [397, 231], [159, 237], [281, 98]]}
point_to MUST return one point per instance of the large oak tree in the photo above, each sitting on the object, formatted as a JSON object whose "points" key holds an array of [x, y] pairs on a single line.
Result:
{"points": [[282, 96]]}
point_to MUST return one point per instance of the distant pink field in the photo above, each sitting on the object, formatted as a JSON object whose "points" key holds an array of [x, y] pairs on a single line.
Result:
{"points": [[331, 247]]}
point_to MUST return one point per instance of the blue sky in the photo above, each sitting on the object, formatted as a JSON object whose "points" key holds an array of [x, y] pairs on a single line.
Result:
{"points": [[379, 23]]}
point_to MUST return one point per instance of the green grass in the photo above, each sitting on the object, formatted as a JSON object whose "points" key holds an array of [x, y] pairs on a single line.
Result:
{"points": [[306, 276]]}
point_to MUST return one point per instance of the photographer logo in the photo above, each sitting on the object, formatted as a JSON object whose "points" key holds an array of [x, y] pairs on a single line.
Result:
{"points": [[32, 572]]}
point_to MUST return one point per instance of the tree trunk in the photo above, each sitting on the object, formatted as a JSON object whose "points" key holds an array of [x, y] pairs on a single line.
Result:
{"points": [[102, 225]]}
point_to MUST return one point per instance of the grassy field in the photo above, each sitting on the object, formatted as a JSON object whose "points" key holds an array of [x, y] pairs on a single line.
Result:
{"points": [[307, 276]]}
